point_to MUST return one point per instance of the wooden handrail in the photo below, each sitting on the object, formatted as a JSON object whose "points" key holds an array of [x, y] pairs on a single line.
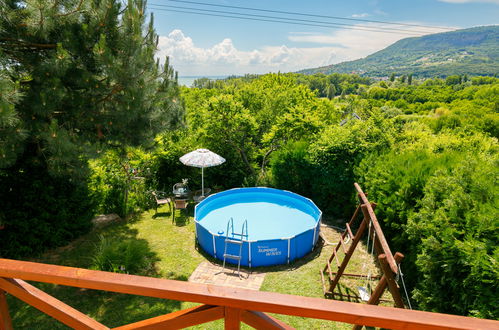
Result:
{"points": [[236, 301], [367, 208]]}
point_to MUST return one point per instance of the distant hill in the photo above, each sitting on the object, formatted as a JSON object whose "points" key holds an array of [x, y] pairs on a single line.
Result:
{"points": [[472, 51]]}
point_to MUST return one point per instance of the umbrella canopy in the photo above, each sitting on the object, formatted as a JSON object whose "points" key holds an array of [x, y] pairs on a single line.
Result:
{"points": [[202, 158]]}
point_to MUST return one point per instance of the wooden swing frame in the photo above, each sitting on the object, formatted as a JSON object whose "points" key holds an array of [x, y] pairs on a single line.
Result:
{"points": [[389, 263]]}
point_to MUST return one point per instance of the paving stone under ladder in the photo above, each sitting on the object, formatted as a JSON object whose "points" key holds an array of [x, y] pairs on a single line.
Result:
{"points": [[209, 273]]}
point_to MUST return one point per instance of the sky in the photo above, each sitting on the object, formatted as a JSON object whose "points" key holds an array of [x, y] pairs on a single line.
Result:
{"points": [[209, 45]]}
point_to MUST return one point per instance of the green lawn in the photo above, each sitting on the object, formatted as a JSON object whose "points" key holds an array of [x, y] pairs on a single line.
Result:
{"points": [[172, 247]]}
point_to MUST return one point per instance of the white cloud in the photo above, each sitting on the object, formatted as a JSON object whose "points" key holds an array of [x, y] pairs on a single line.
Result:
{"points": [[471, 1], [224, 58], [349, 45], [360, 15]]}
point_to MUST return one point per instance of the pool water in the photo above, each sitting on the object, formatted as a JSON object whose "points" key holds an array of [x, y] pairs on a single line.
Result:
{"points": [[265, 220]]}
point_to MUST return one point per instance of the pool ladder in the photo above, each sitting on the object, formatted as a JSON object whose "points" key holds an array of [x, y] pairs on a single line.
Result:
{"points": [[235, 239]]}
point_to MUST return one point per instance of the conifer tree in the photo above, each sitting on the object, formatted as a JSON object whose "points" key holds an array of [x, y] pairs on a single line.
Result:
{"points": [[76, 77], [87, 74]]}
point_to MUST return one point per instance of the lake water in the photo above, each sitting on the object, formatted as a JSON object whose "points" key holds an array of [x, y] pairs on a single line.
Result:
{"points": [[189, 80]]}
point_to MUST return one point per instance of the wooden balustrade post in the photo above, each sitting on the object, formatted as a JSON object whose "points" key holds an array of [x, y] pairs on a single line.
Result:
{"points": [[5, 320], [232, 318]]}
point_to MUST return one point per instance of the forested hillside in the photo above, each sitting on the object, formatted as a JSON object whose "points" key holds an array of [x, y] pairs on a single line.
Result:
{"points": [[469, 51]]}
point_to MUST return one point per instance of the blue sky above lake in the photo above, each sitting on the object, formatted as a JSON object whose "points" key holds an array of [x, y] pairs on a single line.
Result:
{"points": [[213, 45]]}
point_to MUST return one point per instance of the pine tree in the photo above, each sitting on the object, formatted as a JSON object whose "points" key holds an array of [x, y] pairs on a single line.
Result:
{"points": [[392, 77], [409, 79], [76, 77], [88, 75]]}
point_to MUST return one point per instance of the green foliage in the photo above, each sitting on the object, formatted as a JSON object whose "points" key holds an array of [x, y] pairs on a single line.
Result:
{"points": [[127, 256], [76, 78], [455, 235], [249, 119], [89, 77], [337, 151], [40, 211], [293, 170], [119, 180], [439, 209], [11, 132], [166, 169]]}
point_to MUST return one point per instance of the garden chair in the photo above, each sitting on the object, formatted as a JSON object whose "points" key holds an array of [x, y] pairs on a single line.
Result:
{"points": [[199, 195], [179, 203], [160, 199]]}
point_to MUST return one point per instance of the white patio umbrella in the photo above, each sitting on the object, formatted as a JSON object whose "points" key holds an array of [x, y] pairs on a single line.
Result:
{"points": [[202, 158]]}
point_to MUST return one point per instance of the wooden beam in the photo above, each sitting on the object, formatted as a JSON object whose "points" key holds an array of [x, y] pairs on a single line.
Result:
{"points": [[342, 243], [369, 212], [259, 320], [336, 258], [382, 284], [271, 302], [374, 277], [349, 254], [330, 273], [349, 230], [390, 281], [356, 297], [5, 320], [49, 305], [232, 318], [180, 319]]}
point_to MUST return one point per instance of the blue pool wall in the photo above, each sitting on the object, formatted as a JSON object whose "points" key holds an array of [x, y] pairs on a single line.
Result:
{"points": [[280, 250]]}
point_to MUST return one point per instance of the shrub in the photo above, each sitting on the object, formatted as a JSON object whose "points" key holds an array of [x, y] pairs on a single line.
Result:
{"points": [[116, 174], [128, 256], [335, 154], [455, 232], [40, 211], [395, 181], [293, 170], [436, 197]]}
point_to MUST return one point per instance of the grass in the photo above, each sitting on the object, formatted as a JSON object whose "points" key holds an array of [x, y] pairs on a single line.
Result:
{"points": [[172, 248]]}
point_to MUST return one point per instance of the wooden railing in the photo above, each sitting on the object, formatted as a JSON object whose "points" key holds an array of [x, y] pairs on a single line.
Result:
{"points": [[232, 305]]}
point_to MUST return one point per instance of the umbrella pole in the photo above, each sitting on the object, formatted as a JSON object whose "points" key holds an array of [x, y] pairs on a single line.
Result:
{"points": [[202, 181]]}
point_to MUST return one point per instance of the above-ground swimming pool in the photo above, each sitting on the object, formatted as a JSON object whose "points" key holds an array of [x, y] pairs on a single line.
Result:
{"points": [[281, 226]]}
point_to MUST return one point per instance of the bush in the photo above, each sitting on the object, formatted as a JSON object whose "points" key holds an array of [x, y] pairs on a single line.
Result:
{"points": [[124, 256], [292, 169], [395, 181], [455, 233], [438, 203], [40, 211], [116, 174], [335, 155]]}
